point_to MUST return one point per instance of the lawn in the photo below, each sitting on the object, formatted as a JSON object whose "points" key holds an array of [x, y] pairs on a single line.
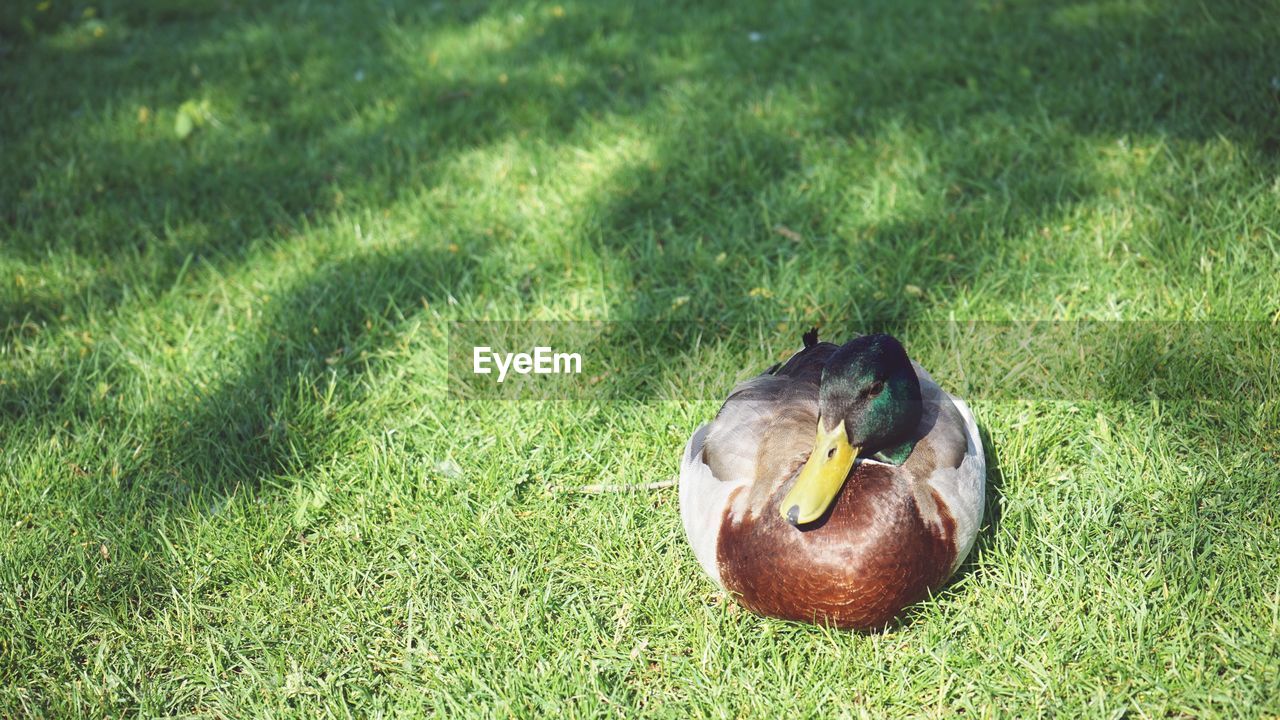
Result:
{"points": [[235, 239]]}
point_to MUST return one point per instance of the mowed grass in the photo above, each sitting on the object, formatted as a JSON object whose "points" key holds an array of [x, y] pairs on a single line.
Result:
{"points": [[234, 481]]}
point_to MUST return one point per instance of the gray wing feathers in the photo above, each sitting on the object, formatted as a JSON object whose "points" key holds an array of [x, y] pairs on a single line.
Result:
{"points": [[950, 460], [703, 500], [766, 423]]}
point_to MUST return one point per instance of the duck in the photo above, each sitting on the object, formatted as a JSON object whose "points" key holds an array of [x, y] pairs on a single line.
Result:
{"points": [[836, 488]]}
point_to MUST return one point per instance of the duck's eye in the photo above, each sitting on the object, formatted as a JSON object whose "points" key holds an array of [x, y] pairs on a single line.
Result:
{"points": [[875, 387]]}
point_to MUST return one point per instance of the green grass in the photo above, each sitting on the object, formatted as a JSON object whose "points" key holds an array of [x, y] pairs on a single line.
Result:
{"points": [[234, 481]]}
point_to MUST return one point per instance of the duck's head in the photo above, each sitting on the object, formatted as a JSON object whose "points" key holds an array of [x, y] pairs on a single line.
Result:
{"points": [[868, 403]]}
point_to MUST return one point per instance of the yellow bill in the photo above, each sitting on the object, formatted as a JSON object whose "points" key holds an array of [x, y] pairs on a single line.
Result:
{"points": [[821, 477]]}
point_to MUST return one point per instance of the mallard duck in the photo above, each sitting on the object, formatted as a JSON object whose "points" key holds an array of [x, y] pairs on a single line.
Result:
{"points": [[836, 488]]}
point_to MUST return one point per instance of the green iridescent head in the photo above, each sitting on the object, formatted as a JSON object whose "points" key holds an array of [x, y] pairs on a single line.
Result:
{"points": [[869, 384], [869, 403]]}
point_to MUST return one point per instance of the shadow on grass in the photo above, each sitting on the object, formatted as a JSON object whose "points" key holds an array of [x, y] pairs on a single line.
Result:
{"points": [[1073, 69], [276, 157], [275, 414]]}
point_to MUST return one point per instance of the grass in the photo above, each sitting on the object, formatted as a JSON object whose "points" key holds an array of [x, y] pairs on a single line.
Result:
{"points": [[234, 481]]}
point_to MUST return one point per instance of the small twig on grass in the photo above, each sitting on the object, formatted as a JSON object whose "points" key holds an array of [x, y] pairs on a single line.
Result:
{"points": [[601, 489]]}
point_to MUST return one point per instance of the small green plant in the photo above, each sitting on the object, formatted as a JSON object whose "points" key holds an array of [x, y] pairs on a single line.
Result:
{"points": [[190, 116]]}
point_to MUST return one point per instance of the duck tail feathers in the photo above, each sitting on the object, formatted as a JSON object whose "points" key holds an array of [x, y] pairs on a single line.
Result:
{"points": [[811, 337]]}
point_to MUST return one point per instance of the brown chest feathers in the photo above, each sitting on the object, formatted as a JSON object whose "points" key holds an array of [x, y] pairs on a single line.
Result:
{"points": [[858, 566]]}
